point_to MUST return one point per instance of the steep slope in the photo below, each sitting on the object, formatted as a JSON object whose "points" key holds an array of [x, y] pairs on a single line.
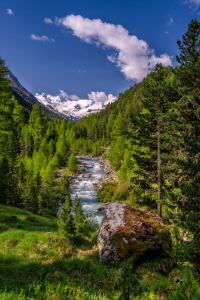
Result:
{"points": [[19, 89], [25, 98]]}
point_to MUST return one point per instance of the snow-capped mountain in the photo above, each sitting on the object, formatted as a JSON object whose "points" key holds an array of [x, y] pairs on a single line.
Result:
{"points": [[72, 107]]}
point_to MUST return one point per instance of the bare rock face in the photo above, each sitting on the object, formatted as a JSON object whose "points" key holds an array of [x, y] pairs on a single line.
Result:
{"points": [[126, 231]]}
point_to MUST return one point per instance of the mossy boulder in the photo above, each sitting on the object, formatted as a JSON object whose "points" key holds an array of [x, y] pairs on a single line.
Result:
{"points": [[126, 231]]}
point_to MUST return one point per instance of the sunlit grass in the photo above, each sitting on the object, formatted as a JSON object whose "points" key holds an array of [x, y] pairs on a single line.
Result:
{"points": [[37, 263]]}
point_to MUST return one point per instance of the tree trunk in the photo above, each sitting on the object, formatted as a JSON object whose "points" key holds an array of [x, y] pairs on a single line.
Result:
{"points": [[159, 207]]}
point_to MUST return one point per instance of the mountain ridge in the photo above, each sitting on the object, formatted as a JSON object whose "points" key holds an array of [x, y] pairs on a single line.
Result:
{"points": [[71, 110]]}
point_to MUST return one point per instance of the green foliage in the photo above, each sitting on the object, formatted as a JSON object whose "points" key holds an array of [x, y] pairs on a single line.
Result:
{"points": [[62, 147], [4, 179], [66, 222], [72, 162], [79, 216], [116, 152], [146, 136], [128, 282], [106, 193], [181, 141], [188, 288], [114, 192], [85, 222], [38, 124]]}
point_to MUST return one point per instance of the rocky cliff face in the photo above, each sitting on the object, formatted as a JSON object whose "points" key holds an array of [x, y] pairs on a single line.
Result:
{"points": [[126, 231]]}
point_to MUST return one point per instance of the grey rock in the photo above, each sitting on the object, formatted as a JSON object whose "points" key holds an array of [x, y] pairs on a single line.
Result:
{"points": [[127, 231]]}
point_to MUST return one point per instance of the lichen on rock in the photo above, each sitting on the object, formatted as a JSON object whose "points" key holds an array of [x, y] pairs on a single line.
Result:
{"points": [[126, 231]]}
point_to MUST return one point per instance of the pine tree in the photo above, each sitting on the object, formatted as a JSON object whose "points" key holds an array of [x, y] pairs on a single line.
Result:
{"points": [[72, 162], [63, 126], [66, 224], [38, 124], [79, 216], [119, 127], [109, 126], [19, 114], [182, 141], [116, 152], [51, 148], [6, 106], [12, 179], [4, 182], [62, 149], [146, 137], [63, 189], [128, 282]]}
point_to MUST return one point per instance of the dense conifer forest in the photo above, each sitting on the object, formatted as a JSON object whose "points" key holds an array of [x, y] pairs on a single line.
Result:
{"points": [[151, 137]]}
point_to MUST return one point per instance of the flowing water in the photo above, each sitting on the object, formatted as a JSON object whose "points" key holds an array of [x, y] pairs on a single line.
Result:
{"points": [[84, 188]]}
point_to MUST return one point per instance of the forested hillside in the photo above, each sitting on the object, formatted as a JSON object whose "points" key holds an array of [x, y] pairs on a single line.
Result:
{"points": [[33, 148]]}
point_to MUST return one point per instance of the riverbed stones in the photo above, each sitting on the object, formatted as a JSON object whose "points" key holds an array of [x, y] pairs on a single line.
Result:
{"points": [[110, 174], [101, 210], [86, 175], [126, 231]]}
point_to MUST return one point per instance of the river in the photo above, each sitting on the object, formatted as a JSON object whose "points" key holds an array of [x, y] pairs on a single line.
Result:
{"points": [[84, 187]]}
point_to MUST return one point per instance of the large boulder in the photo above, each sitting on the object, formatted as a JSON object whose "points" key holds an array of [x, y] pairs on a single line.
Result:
{"points": [[126, 231]]}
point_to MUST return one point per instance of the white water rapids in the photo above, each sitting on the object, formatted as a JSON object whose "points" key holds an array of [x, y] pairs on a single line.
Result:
{"points": [[84, 188]]}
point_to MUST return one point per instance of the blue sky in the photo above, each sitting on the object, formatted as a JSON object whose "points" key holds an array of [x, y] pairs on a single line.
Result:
{"points": [[90, 46]]}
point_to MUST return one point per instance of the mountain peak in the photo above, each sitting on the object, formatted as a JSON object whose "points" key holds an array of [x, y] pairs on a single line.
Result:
{"points": [[73, 109], [69, 107]]}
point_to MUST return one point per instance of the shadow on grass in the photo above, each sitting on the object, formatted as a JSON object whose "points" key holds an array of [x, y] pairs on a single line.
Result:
{"points": [[88, 274], [28, 223]]}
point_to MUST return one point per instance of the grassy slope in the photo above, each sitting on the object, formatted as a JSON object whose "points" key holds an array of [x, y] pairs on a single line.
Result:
{"points": [[35, 265]]}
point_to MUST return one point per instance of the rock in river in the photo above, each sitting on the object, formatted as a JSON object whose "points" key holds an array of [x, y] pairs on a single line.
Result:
{"points": [[126, 231]]}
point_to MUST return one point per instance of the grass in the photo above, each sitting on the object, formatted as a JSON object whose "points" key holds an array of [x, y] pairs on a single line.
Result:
{"points": [[37, 263]]}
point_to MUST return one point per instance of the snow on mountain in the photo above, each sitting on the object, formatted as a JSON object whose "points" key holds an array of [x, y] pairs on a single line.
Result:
{"points": [[74, 108]]}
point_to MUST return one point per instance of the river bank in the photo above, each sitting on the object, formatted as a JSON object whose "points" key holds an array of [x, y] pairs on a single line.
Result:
{"points": [[110, 175]]}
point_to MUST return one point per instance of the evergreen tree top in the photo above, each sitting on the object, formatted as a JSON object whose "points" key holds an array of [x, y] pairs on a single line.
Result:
{"points": [[190, 44]]}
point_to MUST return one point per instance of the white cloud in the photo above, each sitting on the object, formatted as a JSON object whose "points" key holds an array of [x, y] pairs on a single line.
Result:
{"points": [[197, 2], [41, 38], [192, 3], [10, 12], [100, 97], [133, 56], [96, 96], [65, 96], [48, 21], [170, 22]]}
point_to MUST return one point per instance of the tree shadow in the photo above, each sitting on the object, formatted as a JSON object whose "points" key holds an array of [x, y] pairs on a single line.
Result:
{"points": [[88, 274]]}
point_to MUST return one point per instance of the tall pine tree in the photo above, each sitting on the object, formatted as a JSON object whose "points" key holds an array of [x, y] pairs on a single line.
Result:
{"points": [[146, 136], [182, 140]]}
